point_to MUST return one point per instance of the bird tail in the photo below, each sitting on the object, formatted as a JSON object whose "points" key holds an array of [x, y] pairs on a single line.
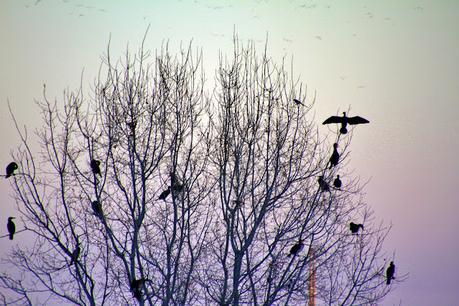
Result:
{"points": [[388, 281], [7, 176], [11, 236]]}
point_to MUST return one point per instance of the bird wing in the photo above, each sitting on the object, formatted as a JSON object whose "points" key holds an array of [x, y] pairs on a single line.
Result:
{"points": [[357, 120], [333, 119]]}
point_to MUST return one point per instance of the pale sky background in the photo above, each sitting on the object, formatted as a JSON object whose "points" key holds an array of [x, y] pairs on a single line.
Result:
{"points": [[395, 63]]}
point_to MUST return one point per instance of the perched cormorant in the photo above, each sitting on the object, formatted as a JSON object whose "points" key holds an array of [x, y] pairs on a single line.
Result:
{"points": [[345, 121], [136, 287], [75, 255], [390, 273], [296, 248], [11, 227], [97, 209], [355, 227], [95, 166], [297, 102], [165, 194], [335, 156], [337, 182], [10, 169], [323, 184]]}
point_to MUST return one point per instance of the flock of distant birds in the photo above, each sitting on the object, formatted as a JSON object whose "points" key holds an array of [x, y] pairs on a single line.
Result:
{"points": [[137, 284]]}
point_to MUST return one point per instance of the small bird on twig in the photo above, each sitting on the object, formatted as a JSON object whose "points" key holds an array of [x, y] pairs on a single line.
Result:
{"points": [[334, 159], [10, 169], [323, 184], [164, 194], [136, 287], [337, 182], [294, 250], [297, 102], [95, 166], [355, 227], [11, 227], [344, 120], [390, 273], [97, 209]]}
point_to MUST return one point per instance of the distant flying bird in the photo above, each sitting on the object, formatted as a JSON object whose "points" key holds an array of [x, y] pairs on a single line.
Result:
{"points": [[345, 121], [10, 169], [95, 166], [323, 184], [334, 159], [164, 194], [297, 102], [355, 227], [337, 182], [296, 248], [75, 255], [11, 227], [97, 209], [390, 273]]}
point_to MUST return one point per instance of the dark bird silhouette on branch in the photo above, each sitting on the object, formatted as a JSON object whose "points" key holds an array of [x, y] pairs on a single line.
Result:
{"points": [[164, 194], [355, 227], [337, 182], [11, 227], [97, 209], [323, 184], [345, 121], [334, 159], [294, 250], [136, 287], [95, 166], [297, 102], [10, 169], [390, 273], [75, 255]]}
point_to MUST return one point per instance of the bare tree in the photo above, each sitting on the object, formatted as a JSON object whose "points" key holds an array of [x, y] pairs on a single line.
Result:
{"points": [[151, 191]]}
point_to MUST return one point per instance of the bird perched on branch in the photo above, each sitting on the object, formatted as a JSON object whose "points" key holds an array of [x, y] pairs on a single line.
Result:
{"points": [[296, 248], [10, 169], [297, 102], [75, 254], [345, 121], [95, 166], [11, 227], [164, 194], [136, 287], [390, 273], [337, 182], [97, 209], [323, 184], [334, 159], [355, 227]]}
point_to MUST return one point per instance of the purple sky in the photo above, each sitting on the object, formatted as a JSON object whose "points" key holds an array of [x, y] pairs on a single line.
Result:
{"points": [[393, 62]]}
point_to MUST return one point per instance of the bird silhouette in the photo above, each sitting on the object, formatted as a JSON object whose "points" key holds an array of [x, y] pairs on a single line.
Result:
{"points": [[10, 169], [323, 184], [136, 287], [334, 159], [95, 166], [75, 255], [296, 248], [297, 102], [337, 182], [345, 121], [97, 209], [355, 227], [165, 194], [11, 227], [390, 273]]}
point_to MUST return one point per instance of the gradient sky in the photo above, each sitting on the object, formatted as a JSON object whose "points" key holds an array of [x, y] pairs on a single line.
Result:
{"points": [[393, 62]]}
